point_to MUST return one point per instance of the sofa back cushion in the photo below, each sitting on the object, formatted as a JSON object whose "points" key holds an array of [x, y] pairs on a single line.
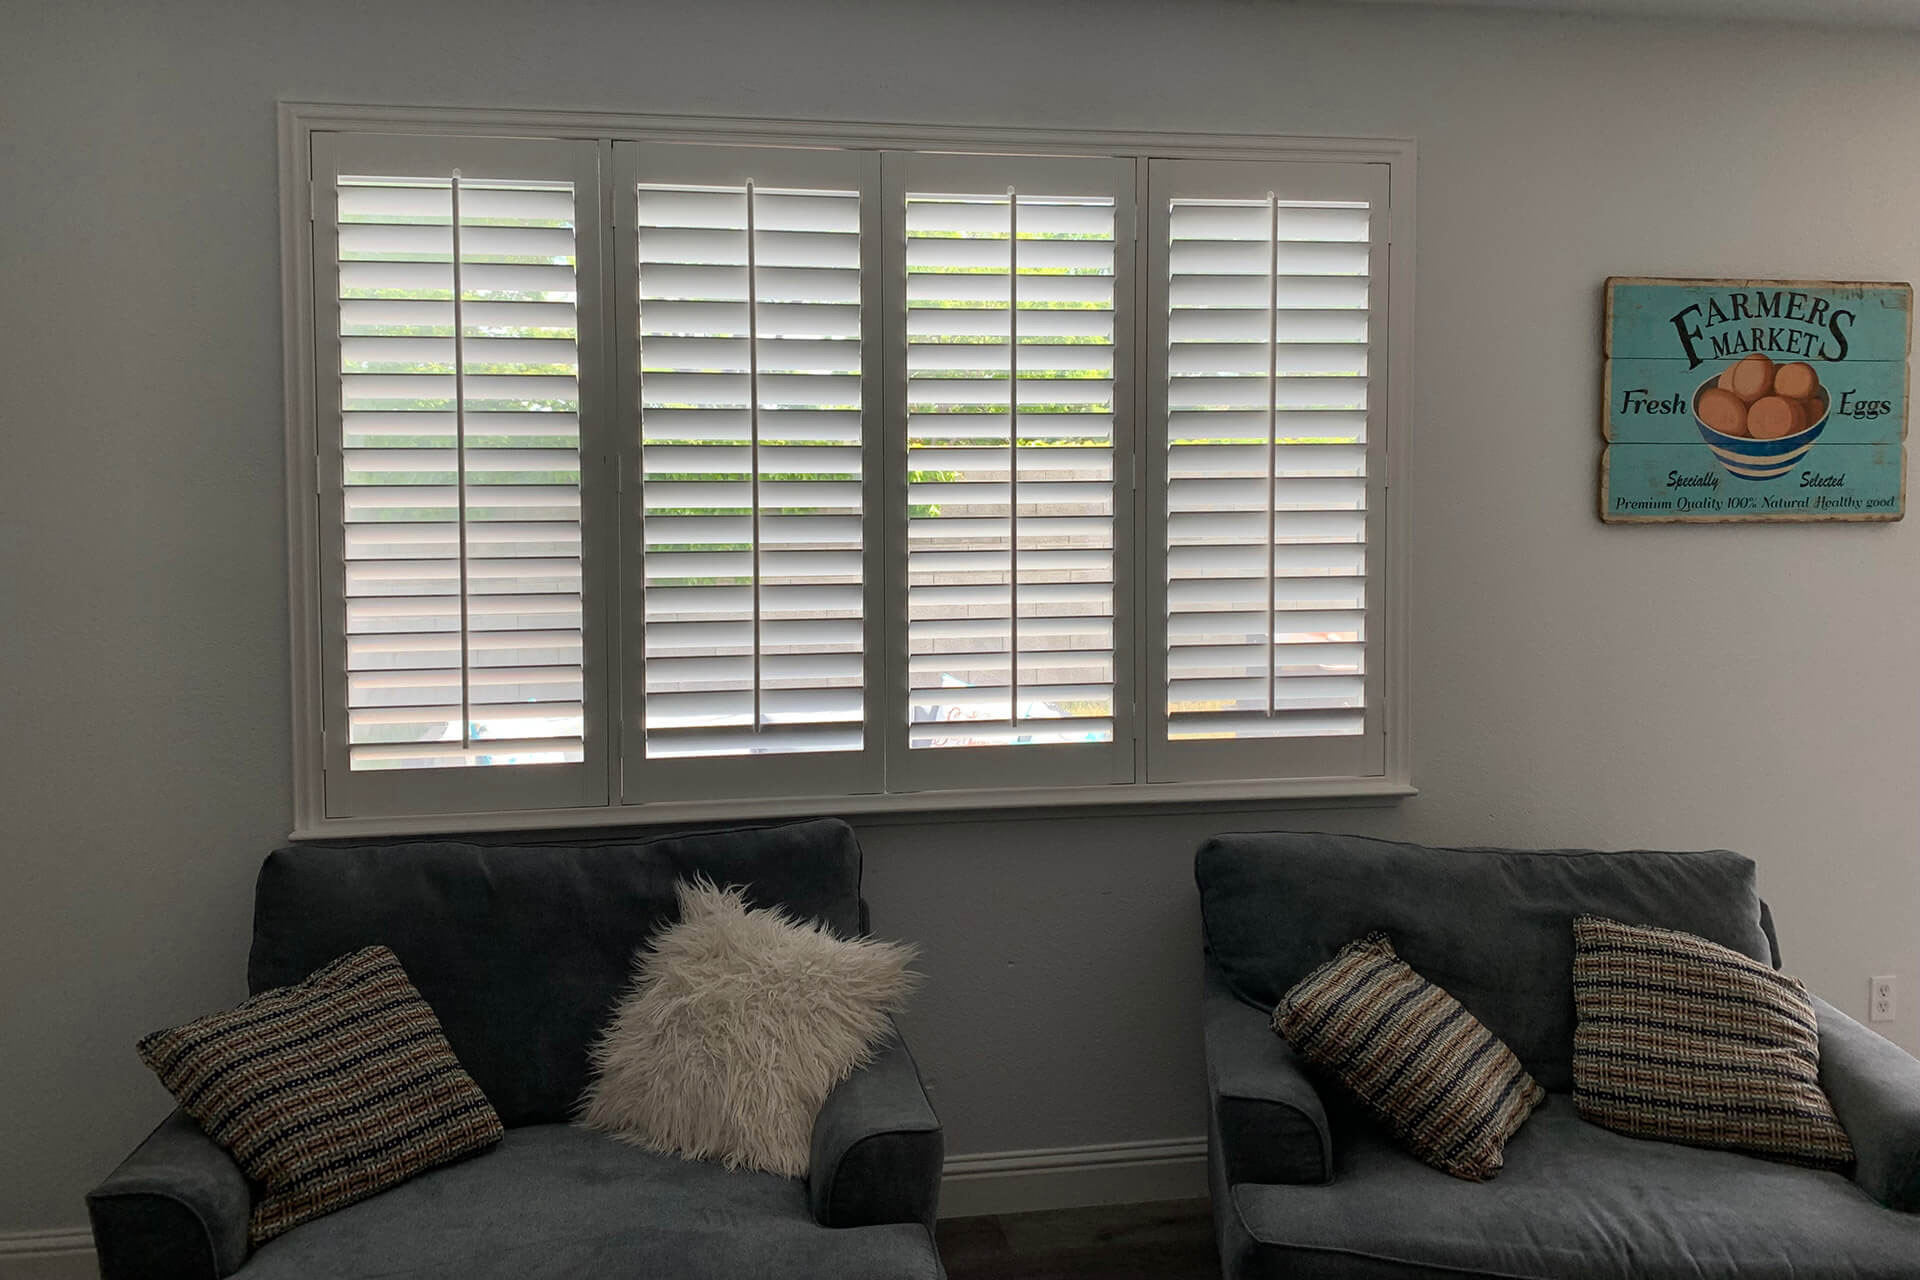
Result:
{"points": [[1493, 927], [523, 949]]}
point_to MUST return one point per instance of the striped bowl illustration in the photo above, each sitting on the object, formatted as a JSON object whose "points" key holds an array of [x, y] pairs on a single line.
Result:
{"points": [[1752, 459]]}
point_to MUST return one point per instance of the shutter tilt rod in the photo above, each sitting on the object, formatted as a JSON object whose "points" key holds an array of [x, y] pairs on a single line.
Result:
{"points": [[460, 469], [1013, 454], [1273, 429], [753, 428]]}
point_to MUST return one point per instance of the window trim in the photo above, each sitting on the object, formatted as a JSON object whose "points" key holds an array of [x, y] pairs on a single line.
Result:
{"points": [[300, 121]]}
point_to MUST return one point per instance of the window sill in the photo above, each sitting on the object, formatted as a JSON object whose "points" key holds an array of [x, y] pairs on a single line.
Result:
{"points": [[983, 804]]}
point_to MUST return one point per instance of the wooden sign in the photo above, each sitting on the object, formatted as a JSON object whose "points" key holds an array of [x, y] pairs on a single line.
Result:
{"points": [[1754, 400]]}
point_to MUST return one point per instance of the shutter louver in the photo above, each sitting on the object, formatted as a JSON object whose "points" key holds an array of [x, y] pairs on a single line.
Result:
{"points": [[458, 385], [1010, 448], [1266, 482], [752, 444]]}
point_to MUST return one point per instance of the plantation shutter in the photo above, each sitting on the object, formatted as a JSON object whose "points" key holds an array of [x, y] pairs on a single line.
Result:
{"points": [[1267, 398], [747, 349], [456, 286], [1009, 427]]}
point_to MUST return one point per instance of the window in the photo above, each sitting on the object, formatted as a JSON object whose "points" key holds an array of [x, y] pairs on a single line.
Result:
{"points": [[455, 368], [697, 470], [1267, 490], [1011, 291], [747, 310]]}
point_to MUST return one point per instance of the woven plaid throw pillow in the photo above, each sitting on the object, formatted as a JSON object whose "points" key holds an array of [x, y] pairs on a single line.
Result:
{"points": [[327, 1091], [1684, 1040], [1445, 1084]]}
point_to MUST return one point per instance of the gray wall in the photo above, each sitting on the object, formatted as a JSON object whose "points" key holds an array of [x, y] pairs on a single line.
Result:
{"points": [[1748, 687]]}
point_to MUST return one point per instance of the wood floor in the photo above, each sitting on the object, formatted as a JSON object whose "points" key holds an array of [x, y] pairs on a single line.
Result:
{"points": [[1169, 1240]]}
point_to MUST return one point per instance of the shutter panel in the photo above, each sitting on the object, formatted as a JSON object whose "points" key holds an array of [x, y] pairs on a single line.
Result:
{"points": [[750, 649], [1011, 427], [455, 295], [1268, 388]]}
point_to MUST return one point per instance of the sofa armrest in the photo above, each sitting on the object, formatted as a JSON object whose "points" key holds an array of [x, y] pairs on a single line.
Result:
{"points": [[176, 1209], [877, 1146], [1874, 1086], [1271, 1123]]}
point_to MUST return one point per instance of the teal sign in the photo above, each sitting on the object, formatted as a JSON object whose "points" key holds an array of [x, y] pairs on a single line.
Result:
{"points": [[1755, 400]]}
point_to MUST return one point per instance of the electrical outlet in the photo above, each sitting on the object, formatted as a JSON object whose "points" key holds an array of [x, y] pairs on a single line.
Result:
{"points": [[1881, 1006]]}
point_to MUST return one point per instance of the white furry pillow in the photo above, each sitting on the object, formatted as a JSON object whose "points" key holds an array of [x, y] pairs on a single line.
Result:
{"points": [[737, 1026]]}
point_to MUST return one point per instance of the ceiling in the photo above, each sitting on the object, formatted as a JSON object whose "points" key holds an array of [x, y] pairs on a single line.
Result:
{"points": [[1855, 13]]}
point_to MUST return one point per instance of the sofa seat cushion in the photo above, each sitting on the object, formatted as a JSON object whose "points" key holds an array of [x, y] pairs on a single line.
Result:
{"points": [[1575, 1202], [556, 1201]]}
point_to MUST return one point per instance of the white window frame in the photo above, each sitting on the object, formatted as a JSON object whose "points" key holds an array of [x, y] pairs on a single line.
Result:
{"points": [[715, 779], [1362, 754], [980, 767], [456, 790], [1389, 657]]}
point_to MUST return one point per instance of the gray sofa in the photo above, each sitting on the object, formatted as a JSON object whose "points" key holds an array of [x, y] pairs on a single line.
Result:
{"points": [[1305, 1185], [522, 951]]}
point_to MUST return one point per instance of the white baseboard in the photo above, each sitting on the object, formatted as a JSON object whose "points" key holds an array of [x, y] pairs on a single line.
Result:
{"points": [[1070, 1177], [987, 1182], [48, 1255]]}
